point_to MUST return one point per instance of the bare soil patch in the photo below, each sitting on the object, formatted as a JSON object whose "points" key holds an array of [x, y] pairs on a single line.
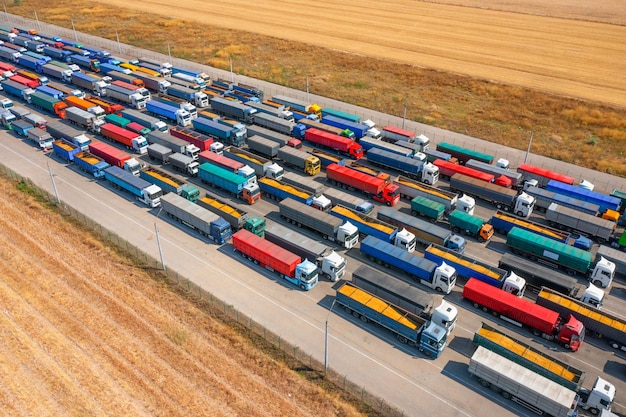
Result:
{"points": [[83, 332]]}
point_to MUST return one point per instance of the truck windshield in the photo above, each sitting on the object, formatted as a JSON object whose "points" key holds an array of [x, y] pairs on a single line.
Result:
{"points": [[311, 277], [156, 196], [353, 239]]}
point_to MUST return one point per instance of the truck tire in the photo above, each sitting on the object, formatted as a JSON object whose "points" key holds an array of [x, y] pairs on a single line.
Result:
{"points": [[506, 395], [614, 344], [598, 283], [302, 287], [594, 411], [347, 309], [484, 383], [481, 239], [520, 214], [456, 229], [402, 339]]}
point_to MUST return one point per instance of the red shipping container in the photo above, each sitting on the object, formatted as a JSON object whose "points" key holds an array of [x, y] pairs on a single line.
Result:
{"points": [[268, 254]]}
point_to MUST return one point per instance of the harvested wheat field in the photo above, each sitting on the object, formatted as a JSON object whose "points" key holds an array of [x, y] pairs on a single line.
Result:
{"points": [[563, 56], [85, 338]]}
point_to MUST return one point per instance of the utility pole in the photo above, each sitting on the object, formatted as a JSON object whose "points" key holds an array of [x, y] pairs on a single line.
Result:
{"points": [[54, 184], [404, 114], [530, 142], [156, 230], [74, 29]]}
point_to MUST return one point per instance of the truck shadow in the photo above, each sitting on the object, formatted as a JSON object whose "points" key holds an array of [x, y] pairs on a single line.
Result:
{"points": [[618, 292], [462, 345]]}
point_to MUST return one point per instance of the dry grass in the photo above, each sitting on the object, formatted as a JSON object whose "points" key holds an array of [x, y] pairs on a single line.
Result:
{"points": [[497, 111], [103, 338]]}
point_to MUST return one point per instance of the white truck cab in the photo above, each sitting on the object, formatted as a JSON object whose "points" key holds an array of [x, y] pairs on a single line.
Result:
{"points": [[599, 398], [275, 171], [466, 204], [445, 315], [430, 173], [602, 273], [524, 205], [348, 235], [593, 296], [333, 266], [405, 240], [514, 284], [322, 203]]}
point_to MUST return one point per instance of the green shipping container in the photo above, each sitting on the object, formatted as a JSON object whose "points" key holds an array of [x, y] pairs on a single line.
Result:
{"points": [[116, 120], [569, 257], [464, 154], [428, 208], [465, 221]]}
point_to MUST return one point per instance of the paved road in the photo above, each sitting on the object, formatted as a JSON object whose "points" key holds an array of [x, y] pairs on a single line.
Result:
{"points": [[365, 354]]}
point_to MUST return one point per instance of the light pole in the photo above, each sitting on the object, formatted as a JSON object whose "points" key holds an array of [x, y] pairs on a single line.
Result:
{"points": [[530, 142], [404, 114], [326, 340], [54, 184], [156, 230]]}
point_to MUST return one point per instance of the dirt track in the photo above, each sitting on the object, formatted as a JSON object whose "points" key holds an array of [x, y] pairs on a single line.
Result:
{"points": [[570, 57], [85, 338]]}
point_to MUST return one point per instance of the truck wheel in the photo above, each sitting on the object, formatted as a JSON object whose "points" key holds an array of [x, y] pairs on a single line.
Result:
{"points": [[481, 239], [402, 339], [364, 319], [598, 283], [484, 383], [302, 287], [566, 345], [520, 214], [438, 289], [594, 411], [614, 345], [456, 229], [505, 395], [347, 310], [571, 272], [356, 314], [476, 305], [388, 204]]}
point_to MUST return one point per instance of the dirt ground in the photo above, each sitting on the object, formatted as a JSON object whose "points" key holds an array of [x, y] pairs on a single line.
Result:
{"points": [[517, 46], [85, 338]]}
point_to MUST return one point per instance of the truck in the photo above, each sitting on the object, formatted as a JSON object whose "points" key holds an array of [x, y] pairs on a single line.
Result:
{"points": [[225, 134], [304, 124], [198, 218], [503, 198], [262, 167], [503, 223], [156, 84], [310, 185], [115, 157], [49, 104], [406, 295], [30, 62], [360, 130], [528, 388], [538, 276], [169, 111], [234, 109], [425, 233], [471, 225], [16, 89], [84, 119], [327, 158], [543, 199], [442, 277], [412, 168], [90, 163], [125, 137], [338, 197], [329, 264], [448, 169], [372, 226], [41, 138], [564, 329], [65, 150], [229, 164], [60, 130], [569, 219], [147, 193], [159, 153], [468, 267], [270, 110], [117, 120], [57, 72], [464, 154], [229, 181], [394, 133], [262, 146], [159, 71], [21, 127], [337, 143], [517, 179], [184, 164], [197, 98], [9, 54], [174, 143], [56, 53], [301, 160], [300, 105], [54, 93], [330, 227], [170, 184], [374, 187], [131, 97], [67, 90], [19, 112], [409, 328], [6, 119], [107, 68], [422, 206], [89, 83], [202, 141], [606, 202], [371, 143], [600, 396], [616, 256], [541, 176], [598, 323], [278, 190], [144, 119], [237, 218], [288, 265], [86, 105], [571, 259], [85, 62], [282, 139], [410, 189]]}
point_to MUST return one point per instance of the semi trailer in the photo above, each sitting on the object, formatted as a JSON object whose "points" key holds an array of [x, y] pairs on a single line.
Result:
{"points": [[142, 190], [374, 187], [237, 218]]}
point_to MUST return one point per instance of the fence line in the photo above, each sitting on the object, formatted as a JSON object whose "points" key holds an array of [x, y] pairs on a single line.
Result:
{"points": [[215, 306]]}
